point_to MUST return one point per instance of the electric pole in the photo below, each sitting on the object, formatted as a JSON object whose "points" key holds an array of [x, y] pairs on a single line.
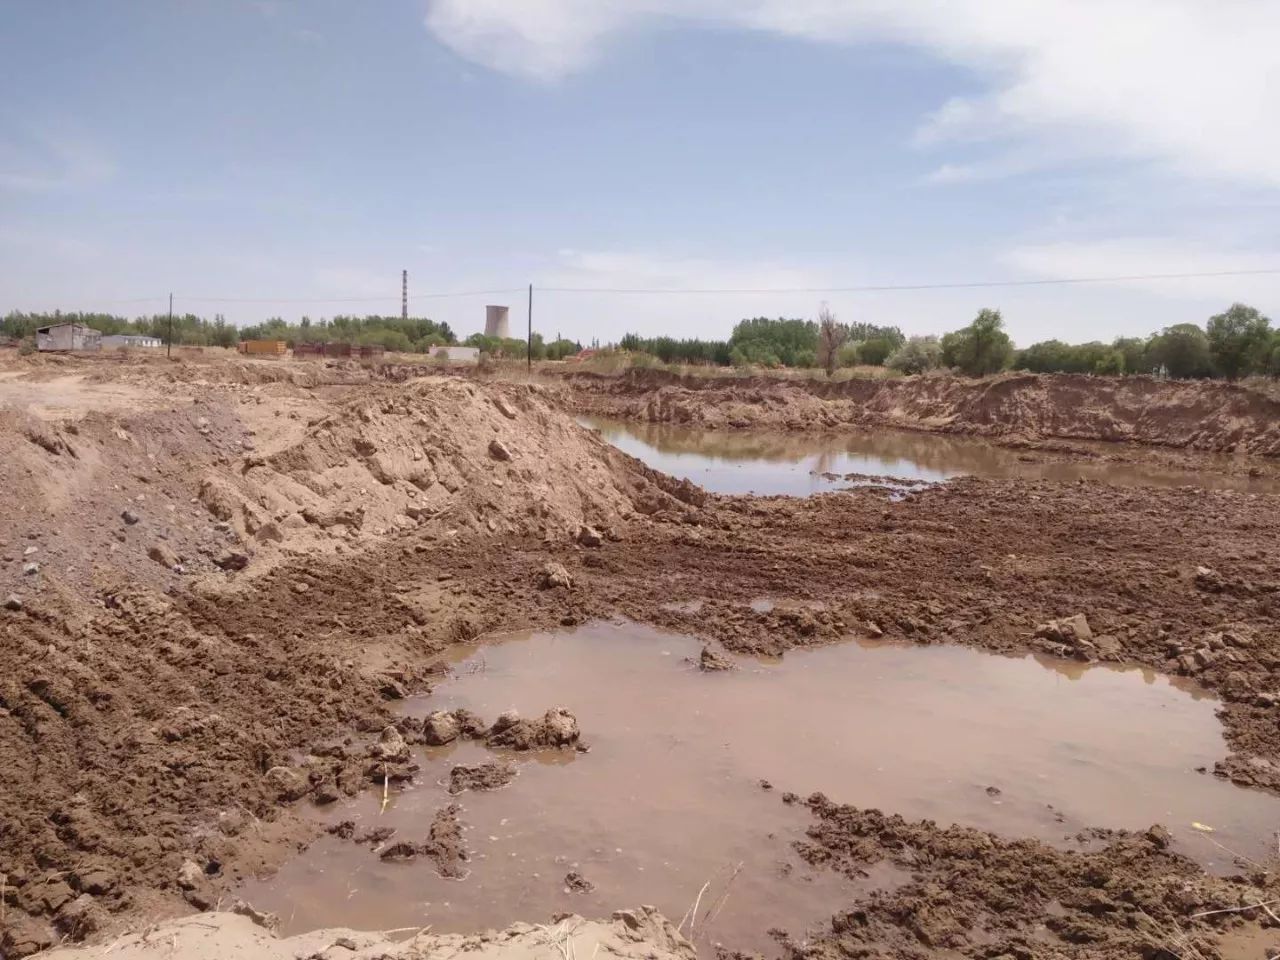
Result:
{"points": [[169, 348], [529, 349], [404, 294]]}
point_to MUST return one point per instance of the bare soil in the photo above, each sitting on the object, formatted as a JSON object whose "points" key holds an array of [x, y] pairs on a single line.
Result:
{"points": [[163, 724]]}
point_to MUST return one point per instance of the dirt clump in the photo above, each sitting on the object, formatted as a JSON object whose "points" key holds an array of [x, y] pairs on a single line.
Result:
{"points": [[481, 776], [711, 660], [1115, 894], [556, 729], [443, 846]]}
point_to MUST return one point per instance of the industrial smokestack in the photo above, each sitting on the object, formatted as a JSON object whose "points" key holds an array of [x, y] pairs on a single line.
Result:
{"points": [[496, 323], [404, 294]]}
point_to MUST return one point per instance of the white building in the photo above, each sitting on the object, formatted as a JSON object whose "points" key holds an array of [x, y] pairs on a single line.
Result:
{"points": [[117, 340]]}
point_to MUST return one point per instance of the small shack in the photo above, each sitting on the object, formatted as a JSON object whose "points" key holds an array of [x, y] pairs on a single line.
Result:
{"points": [[68, 336]]}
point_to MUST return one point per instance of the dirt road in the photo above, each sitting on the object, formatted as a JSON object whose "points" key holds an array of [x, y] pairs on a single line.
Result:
{"points": [[179, 686]]}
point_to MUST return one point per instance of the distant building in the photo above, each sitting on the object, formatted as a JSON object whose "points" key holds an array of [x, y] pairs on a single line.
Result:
{"points": [[456, 354], [497, 322], [117, 340], [68, 336]]}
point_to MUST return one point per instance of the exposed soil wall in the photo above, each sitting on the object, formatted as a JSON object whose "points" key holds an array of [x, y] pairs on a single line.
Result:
{"points": [[1199, 415]]}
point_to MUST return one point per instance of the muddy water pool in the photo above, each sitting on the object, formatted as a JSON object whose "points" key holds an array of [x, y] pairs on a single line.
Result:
{"points": [[775, 462], [669, 798]]}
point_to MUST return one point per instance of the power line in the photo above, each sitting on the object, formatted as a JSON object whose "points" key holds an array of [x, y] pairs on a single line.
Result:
{"points": [[882, 288], [419, 296]]}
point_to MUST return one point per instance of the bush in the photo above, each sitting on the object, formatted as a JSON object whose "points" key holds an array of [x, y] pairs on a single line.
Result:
{"points": [[876, 351], [26, 346], [848, 355], [917, 355]]}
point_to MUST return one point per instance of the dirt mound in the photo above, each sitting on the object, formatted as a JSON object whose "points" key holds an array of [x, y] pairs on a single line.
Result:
{"points": [[1115, 894], [1200, 415]]}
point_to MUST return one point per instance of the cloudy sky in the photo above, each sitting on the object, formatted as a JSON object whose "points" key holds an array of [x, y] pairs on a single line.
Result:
{"points": [[242, 151]]}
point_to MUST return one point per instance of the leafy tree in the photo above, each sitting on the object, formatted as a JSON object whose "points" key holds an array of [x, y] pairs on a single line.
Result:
{"points": [[917, 355], [831, 337], [1239, 341], [1111, 364], [981, 348], [876, 351], [1183, 351], [778, 342], [847, 356], [1136, 352]]}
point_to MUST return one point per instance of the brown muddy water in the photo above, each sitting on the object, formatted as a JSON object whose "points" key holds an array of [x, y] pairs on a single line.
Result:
{"points": [[669, 798], [795, 464]]}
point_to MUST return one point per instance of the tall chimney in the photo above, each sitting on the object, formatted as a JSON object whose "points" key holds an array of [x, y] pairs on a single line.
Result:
{"points": [[404, 294]]}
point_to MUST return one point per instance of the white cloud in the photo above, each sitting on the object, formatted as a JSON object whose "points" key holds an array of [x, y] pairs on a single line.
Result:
{"points": [[1188, 83]]}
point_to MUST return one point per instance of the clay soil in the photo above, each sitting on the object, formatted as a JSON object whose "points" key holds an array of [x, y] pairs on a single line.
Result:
{"points": [[240, 573]]}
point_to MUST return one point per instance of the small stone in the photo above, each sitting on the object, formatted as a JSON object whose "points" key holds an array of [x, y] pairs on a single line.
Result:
{"points": [[128, 516], [391, 745], [30, 568], [162, 554], [589, 536], [30, 551], [1158, 836], [712, 660], [190, 876], [498, 450], [577, 883], [440, 728], [231, 560], [13, 602], [288, 783], [300, 587]]}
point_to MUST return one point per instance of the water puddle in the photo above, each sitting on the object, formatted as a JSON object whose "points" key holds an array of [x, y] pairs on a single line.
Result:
{"points": [[669, 797], [773, 462]]}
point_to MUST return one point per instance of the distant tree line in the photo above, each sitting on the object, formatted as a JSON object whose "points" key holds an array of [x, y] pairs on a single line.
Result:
{"points": [[1236, 343], [411, 335]]}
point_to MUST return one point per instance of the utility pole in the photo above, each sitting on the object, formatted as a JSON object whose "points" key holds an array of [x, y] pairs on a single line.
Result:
{"points": [[169, 349], [529, 349], [404, 294]]}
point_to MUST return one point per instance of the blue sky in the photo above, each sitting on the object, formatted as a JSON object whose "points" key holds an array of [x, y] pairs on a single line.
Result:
{"points": [[309, 151]]}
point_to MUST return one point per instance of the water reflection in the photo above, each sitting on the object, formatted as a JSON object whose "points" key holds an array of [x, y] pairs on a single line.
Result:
{"points": [[798, 464]]}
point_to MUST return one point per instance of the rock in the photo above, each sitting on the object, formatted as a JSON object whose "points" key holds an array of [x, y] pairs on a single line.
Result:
{"points": [[391, 745], [556, 728], [577, 883], [190, 876], [30, 569], [163, 554], [288, 783], [498, 450], [993, 791], [504, 408], [129, 517], [440, 728], [300, 587], [30, 551], [554, 575], [506, 720], [13, 602], [1158, 836], [589, 536], [1074, 633], [873, 629], [231, 560], [713, 660]]}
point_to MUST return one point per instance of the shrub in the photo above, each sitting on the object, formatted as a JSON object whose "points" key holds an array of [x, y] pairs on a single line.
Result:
{"points": [[917, 355]]}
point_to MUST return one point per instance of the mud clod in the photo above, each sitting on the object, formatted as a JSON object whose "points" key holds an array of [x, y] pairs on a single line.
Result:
{"points": [[555, 729], [484, 776], [554, 575]]}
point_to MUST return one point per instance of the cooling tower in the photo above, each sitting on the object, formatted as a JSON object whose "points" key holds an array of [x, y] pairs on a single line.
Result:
{"points": [[496, 323]]}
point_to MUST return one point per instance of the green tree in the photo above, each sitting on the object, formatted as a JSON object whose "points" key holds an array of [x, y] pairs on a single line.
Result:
{"points": [[1136, 352], [981, 348], [1182, 351], [917, 355], [1239, 340], [876, 351]]}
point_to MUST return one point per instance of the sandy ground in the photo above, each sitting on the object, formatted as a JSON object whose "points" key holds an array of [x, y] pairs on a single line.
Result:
{"points": [[213, 599], [640, 934]]}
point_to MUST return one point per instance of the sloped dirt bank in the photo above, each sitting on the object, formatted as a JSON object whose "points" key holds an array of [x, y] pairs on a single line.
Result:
{"points": [[1029, 408]]}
